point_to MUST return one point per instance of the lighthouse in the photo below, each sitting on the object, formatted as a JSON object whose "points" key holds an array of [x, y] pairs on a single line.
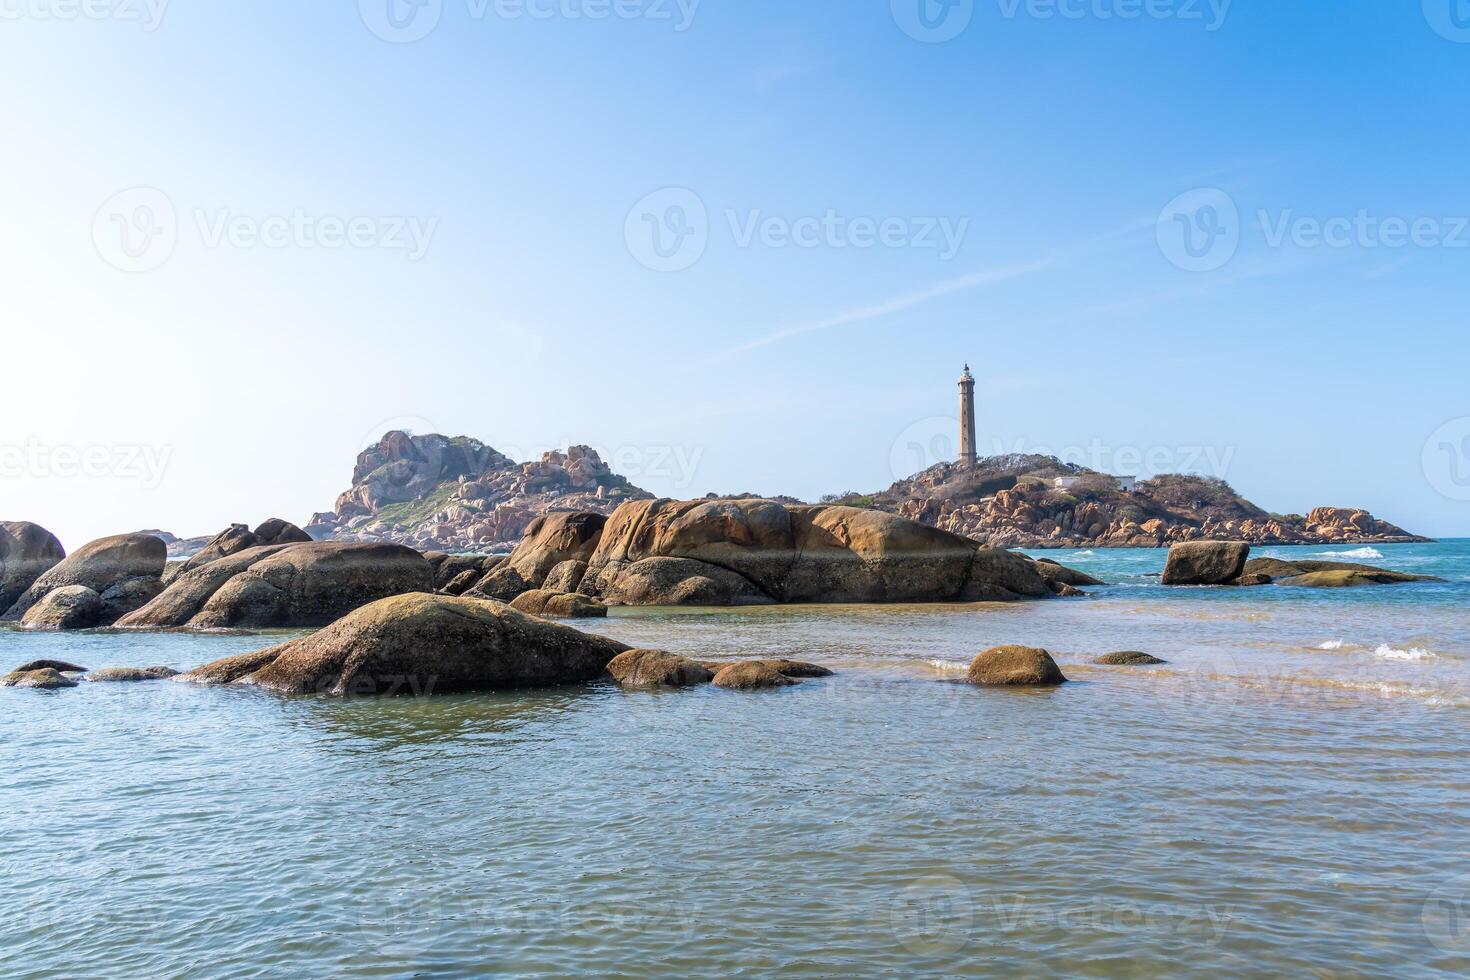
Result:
{"points": [[968, 456]]}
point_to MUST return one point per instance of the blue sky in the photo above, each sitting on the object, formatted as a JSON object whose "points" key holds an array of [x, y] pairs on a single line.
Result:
{"points": [[331, 233]]}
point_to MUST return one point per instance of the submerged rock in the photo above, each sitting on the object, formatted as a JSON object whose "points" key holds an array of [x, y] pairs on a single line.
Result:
{"points": [[421, 644], [45, 679], [656, 668], [1129, 658], [751, 675], [121, 569], [1205, 562], [288, 585], [72, 607], [1015, 666], [1326, 574], [119, 675]]}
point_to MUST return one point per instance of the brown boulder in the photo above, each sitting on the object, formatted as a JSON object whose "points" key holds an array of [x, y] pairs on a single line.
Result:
{"points": [[421, 644], [72, 607], [1014, 666], [27, 551], [60, 665], [290, 585], [239, 537], [102, 565], [656, 668], [1205, 562], [565, 577], [751, 675], [558, 605], [45, 679]]}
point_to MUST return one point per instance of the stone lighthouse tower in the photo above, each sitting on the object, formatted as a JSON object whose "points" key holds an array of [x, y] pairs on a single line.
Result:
{"points": [[968, 456]]}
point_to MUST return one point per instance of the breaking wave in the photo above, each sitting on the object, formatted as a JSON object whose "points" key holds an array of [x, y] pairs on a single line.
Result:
{"points": [[1354, 554], [1393, 653]]}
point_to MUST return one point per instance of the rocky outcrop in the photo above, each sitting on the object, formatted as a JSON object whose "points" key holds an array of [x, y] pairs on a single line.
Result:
{"points": [[753, 550], [71, 607], [1205, 562], [421, 644], [124, 571], [656, 668], [558, 605], [290, 585], [239, 537], [1129, 658], [1015, 666], [27, 551], [1347, 578], [130, 675], [1014, 501], [44, 679], [460, 495]]}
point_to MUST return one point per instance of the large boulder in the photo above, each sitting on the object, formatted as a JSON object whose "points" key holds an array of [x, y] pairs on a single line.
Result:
{"points": [[71, 607], [553, 539], [1054, 572], [122, 569], [1015, 666], [656, 668], [422, 644], [558, 605], [27, 551], [753, 550], [285, 585], [1205, 562], [239, 537]]}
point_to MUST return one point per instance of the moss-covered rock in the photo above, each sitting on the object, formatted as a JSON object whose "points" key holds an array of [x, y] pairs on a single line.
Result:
{"points": [[124, 675], [45, 679], [1129, 658], [751, 675]]}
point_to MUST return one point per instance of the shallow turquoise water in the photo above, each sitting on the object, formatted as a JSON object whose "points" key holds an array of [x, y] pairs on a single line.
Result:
{"points": [[1288, 794]]}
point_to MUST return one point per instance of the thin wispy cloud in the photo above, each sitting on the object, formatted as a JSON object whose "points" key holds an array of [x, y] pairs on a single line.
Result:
{"points": [[875, 311]]}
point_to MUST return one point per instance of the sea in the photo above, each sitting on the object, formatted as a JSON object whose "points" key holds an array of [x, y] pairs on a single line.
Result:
{"points": [[1288, 794]]}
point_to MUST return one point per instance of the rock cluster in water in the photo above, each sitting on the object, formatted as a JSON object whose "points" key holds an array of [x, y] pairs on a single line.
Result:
{"points": [[1229, 563]]}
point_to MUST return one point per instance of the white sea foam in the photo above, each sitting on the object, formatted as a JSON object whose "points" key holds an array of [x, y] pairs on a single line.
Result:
{"points": [[948, 665], [1333, 645], [1393, 653], [1354, 554]]}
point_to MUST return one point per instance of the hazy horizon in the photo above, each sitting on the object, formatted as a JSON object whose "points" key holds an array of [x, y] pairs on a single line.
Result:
{"points": [[735, 247]]}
